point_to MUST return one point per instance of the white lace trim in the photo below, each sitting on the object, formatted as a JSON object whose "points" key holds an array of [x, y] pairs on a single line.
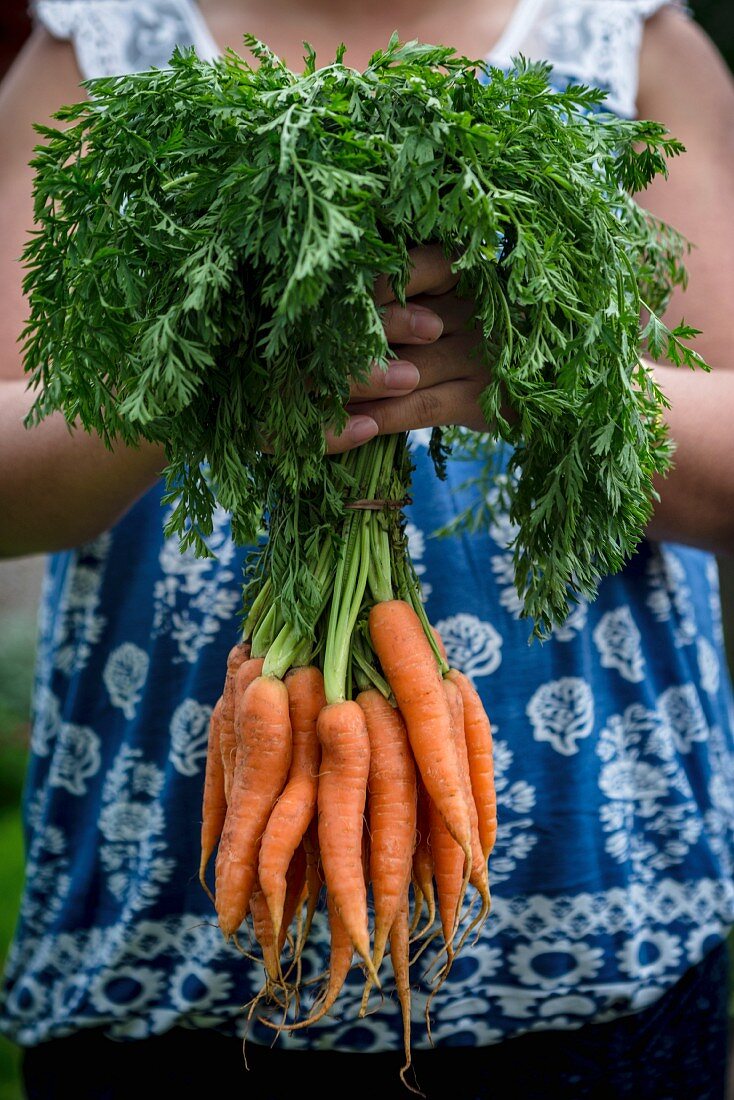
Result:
{"points": [[595, 42], [125, 36]]}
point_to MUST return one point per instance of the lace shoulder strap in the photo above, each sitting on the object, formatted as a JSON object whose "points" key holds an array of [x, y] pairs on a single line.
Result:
{"points": [[124, 36], [594, 42]]}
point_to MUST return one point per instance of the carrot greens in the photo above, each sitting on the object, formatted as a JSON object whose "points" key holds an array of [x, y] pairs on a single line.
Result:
{"points": [[201, 276]]}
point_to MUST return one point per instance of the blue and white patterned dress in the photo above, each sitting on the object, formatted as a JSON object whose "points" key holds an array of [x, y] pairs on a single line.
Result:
{"points": [[612, 872]]}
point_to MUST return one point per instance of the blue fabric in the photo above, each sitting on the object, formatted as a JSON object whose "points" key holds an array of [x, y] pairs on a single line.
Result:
{"points": [[614, 761], [673, 1050], [612, 872]]}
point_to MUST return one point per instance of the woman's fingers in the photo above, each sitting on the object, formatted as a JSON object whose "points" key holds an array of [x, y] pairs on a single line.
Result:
{"points": [[446, 359], [401, 376], [456, 314], [411, 324], [450, 378], [417, 324], [439, 380], [431, 274], [451, 359], [431, 310], [359, 429], [455, 402]]}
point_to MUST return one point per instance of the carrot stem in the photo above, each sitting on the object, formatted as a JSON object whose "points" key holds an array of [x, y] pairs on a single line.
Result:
{"points": [[265, 632], [365, 672], [256, 610], [373, 470], [380, 575]]}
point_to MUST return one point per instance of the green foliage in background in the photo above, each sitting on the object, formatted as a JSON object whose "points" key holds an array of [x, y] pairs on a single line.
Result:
{"points": [[17, 647]]}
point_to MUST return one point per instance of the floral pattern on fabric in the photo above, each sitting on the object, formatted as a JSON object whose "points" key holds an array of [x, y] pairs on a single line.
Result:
{"points": [[632, 777], [613, 867]]}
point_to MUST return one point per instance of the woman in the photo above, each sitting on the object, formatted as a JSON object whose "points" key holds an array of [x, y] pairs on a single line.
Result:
{"points": [[602, 968]]}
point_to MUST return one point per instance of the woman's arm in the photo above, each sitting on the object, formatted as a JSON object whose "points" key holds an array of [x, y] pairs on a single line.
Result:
{"points": [[685, 84], [57, 488]]}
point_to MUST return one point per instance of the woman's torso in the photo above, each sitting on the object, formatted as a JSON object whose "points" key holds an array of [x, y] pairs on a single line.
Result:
{"points": [[613, 755]]}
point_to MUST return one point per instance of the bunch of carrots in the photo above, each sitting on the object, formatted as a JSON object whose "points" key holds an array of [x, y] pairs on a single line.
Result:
{"points": [[236, 217], [388, 797]]}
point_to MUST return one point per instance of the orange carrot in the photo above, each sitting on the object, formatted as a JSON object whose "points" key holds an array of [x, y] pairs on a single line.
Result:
{"points": [[295, 807], [478, 736], [400, 958], [392, 804], [345, 762], [236, 657], [448, 873], [449, 870], [237, 680], [479, 877], [263, 761], [410, 667], [449, 862], [295, 892], [423, 868], [340, 962], [262, 927], [248, 671], [314, 880], [214, 805], [262, 924]]}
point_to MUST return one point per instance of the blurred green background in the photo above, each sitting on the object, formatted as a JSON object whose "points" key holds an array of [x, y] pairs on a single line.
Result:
{"points": [[20, 580], [18, 595]]}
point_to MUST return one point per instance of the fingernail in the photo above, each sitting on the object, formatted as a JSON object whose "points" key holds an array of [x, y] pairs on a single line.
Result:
{"points": [[402, 376], [361, 428], [425, 325]]}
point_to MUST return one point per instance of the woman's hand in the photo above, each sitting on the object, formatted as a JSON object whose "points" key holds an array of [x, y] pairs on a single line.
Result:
{"points": [[439, 374]]}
